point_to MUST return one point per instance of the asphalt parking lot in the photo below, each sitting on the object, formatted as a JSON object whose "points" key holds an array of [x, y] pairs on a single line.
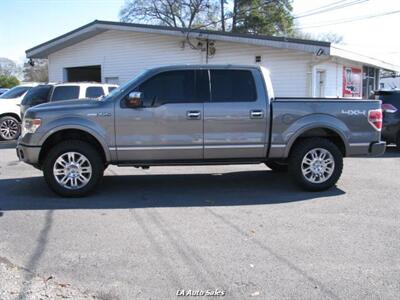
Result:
{"points": [[242, 229]]}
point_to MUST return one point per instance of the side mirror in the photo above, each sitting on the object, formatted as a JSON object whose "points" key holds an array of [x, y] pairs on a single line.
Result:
{"points": [[134, 100]]}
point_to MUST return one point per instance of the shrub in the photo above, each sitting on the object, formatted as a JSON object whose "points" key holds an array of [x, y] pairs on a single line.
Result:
{"points": [[8, 81]]}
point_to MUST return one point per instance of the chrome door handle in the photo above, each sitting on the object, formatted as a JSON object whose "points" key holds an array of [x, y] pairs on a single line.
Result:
{"points": [[193, 115], [256, 114]]}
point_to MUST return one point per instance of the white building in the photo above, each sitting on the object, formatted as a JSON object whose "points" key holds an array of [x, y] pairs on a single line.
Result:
{"points": [[115, 52], [390, 83]]}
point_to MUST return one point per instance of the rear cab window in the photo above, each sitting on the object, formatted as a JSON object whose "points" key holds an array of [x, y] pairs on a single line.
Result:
{"points": [[94, 92], [68, 92], [232, 86]]}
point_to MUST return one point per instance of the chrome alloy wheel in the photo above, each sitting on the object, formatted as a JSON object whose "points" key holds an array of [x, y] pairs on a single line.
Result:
{"points": [[72, 170], [9, 129], [318, 165]]}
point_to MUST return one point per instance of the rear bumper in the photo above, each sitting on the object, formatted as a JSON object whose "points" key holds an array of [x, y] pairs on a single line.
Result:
{"points": [[28, 154], [377, 148], [366, 149]]}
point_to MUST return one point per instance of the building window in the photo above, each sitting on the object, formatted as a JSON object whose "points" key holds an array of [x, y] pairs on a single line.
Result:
{"points": [[258, 58], [370, 81], [112, 80]]}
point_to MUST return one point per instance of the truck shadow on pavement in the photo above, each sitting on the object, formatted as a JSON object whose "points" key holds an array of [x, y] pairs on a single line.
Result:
{"points": [[391, 152], [141, 191]]}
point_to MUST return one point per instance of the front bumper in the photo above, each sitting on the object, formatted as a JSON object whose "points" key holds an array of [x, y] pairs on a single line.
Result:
{"points": [[28, 154], [377, 149]]}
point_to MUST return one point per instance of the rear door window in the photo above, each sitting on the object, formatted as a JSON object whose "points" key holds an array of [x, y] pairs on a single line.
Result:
{"points": [[232, 86], [94, 92], [202, 86], [65, 93]]}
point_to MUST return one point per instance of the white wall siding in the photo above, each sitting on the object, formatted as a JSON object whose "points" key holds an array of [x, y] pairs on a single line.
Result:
{"points": [[288, 68], [124, 54], [334, 76], [390, 83], [121, 54]]}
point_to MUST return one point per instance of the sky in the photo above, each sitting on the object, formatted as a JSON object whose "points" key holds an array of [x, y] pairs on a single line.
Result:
{"points": [[27, 23]]}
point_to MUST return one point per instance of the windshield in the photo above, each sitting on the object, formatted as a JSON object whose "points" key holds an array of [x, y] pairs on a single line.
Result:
{"points": [[123, 87], [15, 92]]}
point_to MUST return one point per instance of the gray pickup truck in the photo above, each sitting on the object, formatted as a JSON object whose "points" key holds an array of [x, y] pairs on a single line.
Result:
{"points": [[198, 115]]}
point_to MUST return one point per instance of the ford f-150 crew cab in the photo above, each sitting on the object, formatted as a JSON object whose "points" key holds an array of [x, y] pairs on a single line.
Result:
{"points": [[194, 115]]}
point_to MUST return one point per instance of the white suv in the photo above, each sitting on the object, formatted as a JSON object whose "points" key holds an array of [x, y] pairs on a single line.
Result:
{"points": [[80, 90], [9, 111], [46, 93]]}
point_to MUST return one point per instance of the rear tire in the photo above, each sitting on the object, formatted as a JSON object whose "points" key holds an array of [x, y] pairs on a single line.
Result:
{"points": [[10, 128], [316, 164], [398, 141], [277, 166], [73, 168]]}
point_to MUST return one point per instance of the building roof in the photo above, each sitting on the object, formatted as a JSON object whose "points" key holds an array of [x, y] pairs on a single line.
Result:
{"points": [[342, 52], [96, 27]]}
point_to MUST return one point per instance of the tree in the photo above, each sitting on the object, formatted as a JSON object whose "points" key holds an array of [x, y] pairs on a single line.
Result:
{"points": [[36, 73], [222, 9], [9, 68], [8, 81], [330, 37], [174, 13], [270, 17]]}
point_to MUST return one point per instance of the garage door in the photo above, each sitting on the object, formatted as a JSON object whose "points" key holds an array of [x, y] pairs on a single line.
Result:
{"points": [[86, 73]]}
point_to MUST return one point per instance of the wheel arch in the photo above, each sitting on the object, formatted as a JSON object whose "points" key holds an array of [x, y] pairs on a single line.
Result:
{"points": [[322, 130], [75, 133], [11, 114]]}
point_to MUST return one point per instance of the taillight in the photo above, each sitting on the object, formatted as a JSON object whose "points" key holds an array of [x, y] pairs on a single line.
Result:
{"points": [[375, 118], [389, 108]]}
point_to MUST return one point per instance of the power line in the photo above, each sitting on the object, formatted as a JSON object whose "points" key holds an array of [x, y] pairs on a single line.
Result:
{"points": [[322, 7], [350, 20], [331, 8]]}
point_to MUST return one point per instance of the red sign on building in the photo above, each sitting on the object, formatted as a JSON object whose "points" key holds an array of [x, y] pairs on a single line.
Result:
{"points": [[352, 82]]}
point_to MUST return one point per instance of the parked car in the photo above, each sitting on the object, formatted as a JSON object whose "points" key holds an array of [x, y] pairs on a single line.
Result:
{"points": [[64, 91], [3, 90], [196, 115], [391, 115], [9, 111]]}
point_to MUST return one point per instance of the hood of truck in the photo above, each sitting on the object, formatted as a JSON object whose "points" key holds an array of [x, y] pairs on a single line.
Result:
{"points": [[66, 105]]}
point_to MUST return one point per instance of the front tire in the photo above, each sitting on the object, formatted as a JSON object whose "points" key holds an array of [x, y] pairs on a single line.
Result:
{"points": [[398, 141], [73, 168], [316, 164], [10, 128]]}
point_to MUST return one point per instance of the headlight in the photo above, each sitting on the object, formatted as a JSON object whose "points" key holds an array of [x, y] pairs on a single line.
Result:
{"points": [[30, 125]]}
